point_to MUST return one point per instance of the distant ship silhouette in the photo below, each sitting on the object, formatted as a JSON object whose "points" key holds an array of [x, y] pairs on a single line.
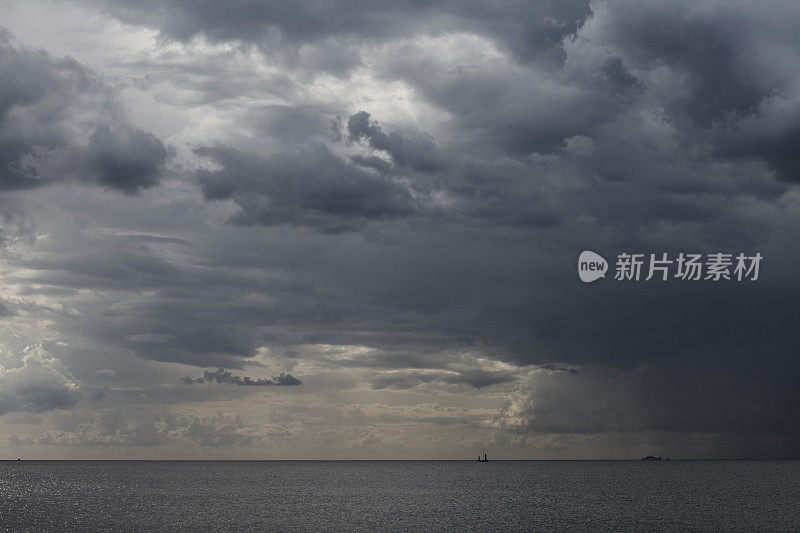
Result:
{"points": [[485, 458], [651, 458]]}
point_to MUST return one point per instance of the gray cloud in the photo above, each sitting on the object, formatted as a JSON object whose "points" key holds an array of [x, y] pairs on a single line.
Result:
{"points": [[414, 153], [5, 310], [126, 160], [42, 383], [428, 243], [725, 84], [311, 187], [408, 379], [109, 430], [60, 122], [222, 376], [559, 368], [528, 30], [218, 430], [726, 96]]}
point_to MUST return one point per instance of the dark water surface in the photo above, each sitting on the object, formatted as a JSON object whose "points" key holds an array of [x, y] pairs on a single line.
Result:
{"points": [[400, 496]]}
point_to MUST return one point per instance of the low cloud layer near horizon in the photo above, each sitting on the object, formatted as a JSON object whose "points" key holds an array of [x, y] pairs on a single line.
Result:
{"points": [[384, 206]]}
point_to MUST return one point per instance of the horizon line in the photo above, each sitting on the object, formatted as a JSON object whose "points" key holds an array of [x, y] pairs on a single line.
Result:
{"points": [[399, 460]]}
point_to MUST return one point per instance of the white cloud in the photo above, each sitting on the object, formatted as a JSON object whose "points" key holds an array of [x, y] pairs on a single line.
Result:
{"points": [[42, 383]]}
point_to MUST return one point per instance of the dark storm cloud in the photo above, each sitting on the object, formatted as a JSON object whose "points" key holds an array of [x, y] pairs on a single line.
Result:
{"points": [[314, 188], [738, 90], [528, 30], [58, 122], [656, 397], [636, 127], [126, 160], [413, 153], [222, 376], [311, 187], [720, 56]]}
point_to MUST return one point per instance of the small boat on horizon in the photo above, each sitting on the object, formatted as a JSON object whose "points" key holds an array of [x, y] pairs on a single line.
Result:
{"points": [[485, 457], [651, 458]]}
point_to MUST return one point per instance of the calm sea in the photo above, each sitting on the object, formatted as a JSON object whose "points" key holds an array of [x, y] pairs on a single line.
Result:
{"points": [[400, 496]]}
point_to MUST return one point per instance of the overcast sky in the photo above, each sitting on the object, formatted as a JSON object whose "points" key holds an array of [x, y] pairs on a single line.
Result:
{"points": [[329, 230]]}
